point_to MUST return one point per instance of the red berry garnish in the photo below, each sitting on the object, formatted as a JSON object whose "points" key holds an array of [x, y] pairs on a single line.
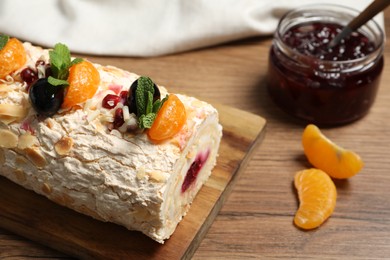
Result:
{"points": [[110, 101], [28, 75], [123, 96], [118, 118]]}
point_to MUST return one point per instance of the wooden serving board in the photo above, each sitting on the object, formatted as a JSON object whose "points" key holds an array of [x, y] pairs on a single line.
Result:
{"points": [[37, 218]]}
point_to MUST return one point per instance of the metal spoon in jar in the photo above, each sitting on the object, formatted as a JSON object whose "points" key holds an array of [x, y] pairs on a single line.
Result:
{"points": [[373, 9]]}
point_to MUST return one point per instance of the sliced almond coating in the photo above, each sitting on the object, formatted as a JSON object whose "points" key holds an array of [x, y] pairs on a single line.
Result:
{"points": [[27, 140], [2, 157], [64, 145], [36, 157], [49, 123], [4, 88], [21, 160], [46, 188], [20, 175], [18, 111], [141, 173], [156, 176], [8, 139], [7, 119]]}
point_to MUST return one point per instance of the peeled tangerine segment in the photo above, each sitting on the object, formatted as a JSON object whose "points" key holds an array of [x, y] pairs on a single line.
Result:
{"points": [[317, 198], [323, 154], [84, 80], [12, 57]]}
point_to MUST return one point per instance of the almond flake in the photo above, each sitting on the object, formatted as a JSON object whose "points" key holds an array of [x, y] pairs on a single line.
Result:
{"points": [[7, 119], [8, 139], [46, 188], [2, 157], [20, 175], [36, 157], [16, 111], [27, 140], [156, 177], [64, 145]]}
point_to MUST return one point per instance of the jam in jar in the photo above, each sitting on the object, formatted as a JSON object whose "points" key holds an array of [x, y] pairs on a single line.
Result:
{"points": [[322, 85]]}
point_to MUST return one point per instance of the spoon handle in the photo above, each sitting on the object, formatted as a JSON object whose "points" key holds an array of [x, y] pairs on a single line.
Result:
{"points": [[373, 9]]}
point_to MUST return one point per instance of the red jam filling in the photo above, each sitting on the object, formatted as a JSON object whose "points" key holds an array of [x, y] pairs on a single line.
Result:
{"points": [[323, 97], [194, 170]]}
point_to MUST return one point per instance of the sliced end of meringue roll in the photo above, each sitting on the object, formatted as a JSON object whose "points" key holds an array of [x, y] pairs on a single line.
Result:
{"points": [[76, 157]]}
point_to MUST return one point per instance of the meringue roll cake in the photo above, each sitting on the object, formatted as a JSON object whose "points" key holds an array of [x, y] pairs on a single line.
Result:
{"points": [[102, 141]]}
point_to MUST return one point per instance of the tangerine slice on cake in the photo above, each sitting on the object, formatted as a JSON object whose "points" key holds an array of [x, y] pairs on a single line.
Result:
{"points": [[12, 57], [169, 120], [84, 80]]}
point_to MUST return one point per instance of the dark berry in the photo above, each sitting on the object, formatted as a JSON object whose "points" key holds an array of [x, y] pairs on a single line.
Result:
{"points": [[156, 95], [110, 101], [118, 118], [48, 71], [45, 98], [131, 96], [28, 75]]}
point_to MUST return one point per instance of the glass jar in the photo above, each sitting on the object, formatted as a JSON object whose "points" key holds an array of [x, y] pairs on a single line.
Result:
{"points": [[321, 85]]}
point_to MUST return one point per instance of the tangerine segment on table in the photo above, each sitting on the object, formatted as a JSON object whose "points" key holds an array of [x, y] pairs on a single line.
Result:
{"points": [[12, 57], [169, 120], [84, 80], [323, 154], [317, 198]]}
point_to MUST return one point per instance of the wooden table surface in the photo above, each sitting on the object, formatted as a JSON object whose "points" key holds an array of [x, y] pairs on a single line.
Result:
{"points": [[257, 219]]}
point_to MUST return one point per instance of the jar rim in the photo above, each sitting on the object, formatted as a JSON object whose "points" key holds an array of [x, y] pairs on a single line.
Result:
{"points": [[371, 25]]}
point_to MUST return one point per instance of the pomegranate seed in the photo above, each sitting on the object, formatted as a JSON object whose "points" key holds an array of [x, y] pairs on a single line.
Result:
{"points": [[110, 101], [123, 96], [118, 118], [29, 75]]}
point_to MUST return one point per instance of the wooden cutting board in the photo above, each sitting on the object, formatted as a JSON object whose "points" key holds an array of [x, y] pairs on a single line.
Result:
{"points": [[35, 217]]}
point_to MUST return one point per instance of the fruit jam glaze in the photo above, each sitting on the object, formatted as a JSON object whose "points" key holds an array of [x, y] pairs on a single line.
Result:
{"points": [[322, 85]]}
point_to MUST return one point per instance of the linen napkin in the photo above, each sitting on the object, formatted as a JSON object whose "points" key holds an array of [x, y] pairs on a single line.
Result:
{"points": [[145, 27]]}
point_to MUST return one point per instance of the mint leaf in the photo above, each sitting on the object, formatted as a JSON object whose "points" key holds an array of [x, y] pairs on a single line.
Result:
{"points": [[149, 104], [146, 121], [63, 51], [60, 61], [3, 40], [75, 61], [158, 104], [145, 85], [57, 82], [146, 108]]}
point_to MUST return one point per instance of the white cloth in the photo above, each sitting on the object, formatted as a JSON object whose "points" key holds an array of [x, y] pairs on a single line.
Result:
{"points": [[144, 27]]}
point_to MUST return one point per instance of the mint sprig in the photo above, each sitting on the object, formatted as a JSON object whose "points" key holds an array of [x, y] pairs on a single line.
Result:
{"points": [[3, 40], [60, 62], [146, 108]]}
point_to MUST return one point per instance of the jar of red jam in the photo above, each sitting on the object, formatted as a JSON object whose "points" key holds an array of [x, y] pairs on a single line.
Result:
{"points": [[322, 85]]}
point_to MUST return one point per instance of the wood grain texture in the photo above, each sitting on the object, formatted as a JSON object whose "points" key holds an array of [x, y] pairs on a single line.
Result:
{"points": [[257, 219], [39, 219]]}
